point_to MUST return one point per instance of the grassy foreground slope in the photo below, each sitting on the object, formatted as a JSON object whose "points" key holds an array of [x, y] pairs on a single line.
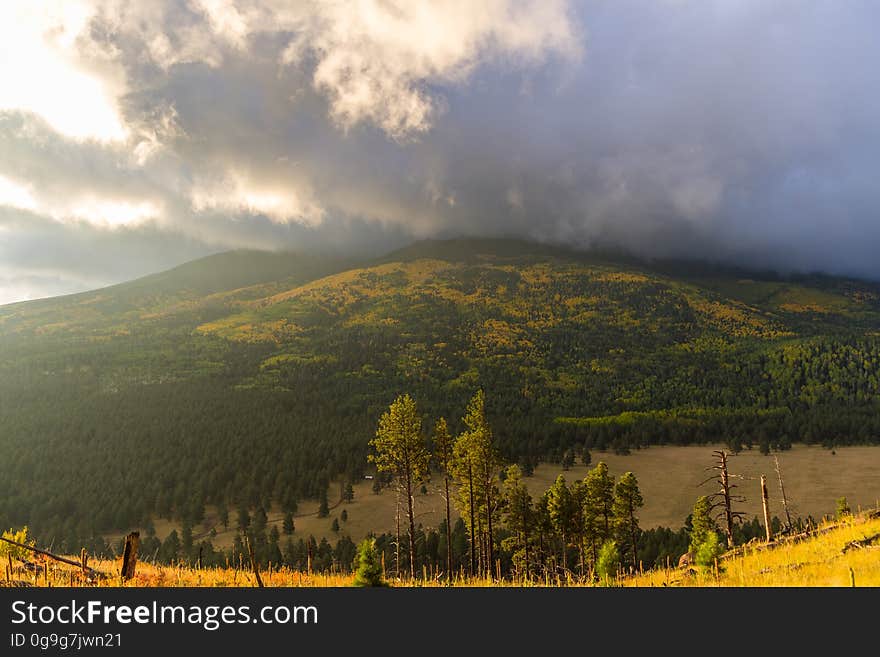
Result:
{"points": [[845, 553], [257, 379]]}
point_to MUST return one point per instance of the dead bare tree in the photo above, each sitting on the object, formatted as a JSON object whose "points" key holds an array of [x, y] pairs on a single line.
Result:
{"points": [[788, 523], [765, 503], [724, 498]]}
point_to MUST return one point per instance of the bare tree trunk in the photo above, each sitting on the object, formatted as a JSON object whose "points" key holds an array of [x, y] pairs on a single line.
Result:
{"points": [[448, 530], [489, 546], [635, 545], [766, 505], [564, 552], [412, 528], [473, 529], [581, 552], [525, 534], [254, 567], [725, 489], [397, 544], [782, 490]]}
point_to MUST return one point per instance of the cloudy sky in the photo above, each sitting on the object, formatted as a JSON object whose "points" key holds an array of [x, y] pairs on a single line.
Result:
{"points": [[137, 135]]}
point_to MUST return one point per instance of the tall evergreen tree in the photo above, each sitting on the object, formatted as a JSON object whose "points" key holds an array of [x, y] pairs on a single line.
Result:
{"points": [[186, 541], [323, 504], [560, 507], [443, 448], [476, 466], [244, 518], [518, 514], [223, 515], [399, 448], [627, 500], [598, 501]]}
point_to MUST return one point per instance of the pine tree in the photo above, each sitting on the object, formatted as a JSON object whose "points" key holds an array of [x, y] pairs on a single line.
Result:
{"points": [[627, 499], [334, 527], [400, 450], [273, 551], [244, 518], [598, 501], [259, 522], [586, 457], [518, 519], [344, 515], [368, 566], [475, 466], [170, 550], [223, 515], [578, 520], [186, 541], [559, 506], [701, 523], [323, 505], [443, 448], [348, 492], [608, 562], [289, 525]]}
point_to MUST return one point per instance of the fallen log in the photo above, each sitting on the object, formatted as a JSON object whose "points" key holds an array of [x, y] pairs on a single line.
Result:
{"points": [[46, 553], [864, 543]]}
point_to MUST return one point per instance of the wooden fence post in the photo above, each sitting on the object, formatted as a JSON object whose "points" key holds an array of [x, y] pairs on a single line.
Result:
{"points": [[129, 555]]}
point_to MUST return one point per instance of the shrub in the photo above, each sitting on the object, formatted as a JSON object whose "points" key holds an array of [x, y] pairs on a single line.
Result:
{"points": [[367, 565], [842, 508], [20, 536], [608, 562], [710, 549]]}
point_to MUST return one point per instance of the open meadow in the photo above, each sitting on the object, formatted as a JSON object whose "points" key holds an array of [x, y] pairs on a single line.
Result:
{"points": [[669, 478]]}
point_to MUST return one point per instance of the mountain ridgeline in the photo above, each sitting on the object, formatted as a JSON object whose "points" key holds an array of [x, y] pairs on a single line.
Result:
{"points": [[250, 379]]}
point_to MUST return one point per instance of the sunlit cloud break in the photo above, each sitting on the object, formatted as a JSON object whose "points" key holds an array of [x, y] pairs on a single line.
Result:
{"points": [[41, 70]]}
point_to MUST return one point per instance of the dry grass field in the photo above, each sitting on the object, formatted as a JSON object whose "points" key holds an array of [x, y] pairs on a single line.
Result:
{"points": [[838, 554], [669, 478], [846, 554]]}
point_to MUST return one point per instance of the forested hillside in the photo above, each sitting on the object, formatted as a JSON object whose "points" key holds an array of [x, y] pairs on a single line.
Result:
{"points": [[253, 379]]}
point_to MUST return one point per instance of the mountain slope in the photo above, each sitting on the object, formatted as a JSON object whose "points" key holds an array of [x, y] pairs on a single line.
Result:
{"points": [[171, 291], [253, 379]]}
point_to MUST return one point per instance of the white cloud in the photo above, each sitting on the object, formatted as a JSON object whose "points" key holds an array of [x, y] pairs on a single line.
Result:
{"points": [[101, 211], [109, 212], [237, 194], [40, 71], [376, 58], [16, 195]]}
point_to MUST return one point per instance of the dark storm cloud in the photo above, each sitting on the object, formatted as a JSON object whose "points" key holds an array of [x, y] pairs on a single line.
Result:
{"points": [[730, 129]]}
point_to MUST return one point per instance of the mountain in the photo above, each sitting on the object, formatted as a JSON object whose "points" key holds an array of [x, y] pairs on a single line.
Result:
{"points": [[252, 378]]}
